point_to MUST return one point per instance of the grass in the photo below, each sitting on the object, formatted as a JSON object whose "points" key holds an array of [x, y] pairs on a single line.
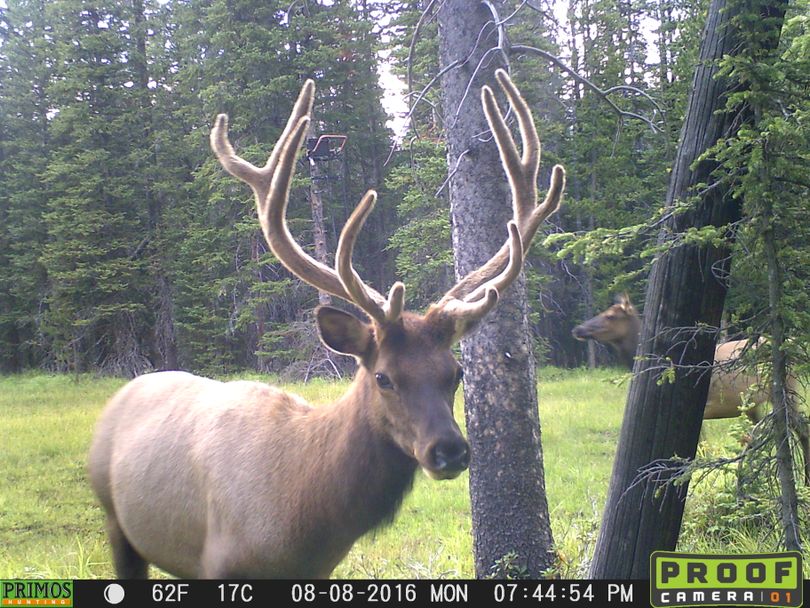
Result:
{"points": [[51, 526]]}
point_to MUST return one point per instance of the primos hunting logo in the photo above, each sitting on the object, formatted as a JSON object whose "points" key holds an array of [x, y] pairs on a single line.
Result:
{"points": [[681, 579], [36, 593]]}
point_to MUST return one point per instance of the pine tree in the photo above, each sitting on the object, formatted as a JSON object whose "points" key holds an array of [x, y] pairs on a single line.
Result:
{"points": [[96, 221], [684, 297], [25, 71], [764, 166], [234, 303]]}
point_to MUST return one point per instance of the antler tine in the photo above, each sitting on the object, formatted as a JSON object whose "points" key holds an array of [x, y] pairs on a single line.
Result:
{"points": [[233, 164], [395, 303], [361, 294], [259, 179], [522, 179], [521, 171], [512, 270], [468, 311], [467, 314], [271, 187]]}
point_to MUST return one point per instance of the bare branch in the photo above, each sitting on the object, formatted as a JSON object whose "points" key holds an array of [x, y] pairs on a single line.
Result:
{"points": [[635, 91], [452, 173], [522, 48], [428, 86], [414, 38], [470, 82]]}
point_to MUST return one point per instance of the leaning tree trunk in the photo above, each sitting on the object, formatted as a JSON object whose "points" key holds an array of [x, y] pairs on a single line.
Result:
{"points": [[686, 291], [511, 529]]}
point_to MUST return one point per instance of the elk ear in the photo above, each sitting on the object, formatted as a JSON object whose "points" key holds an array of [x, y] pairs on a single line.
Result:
{"points": [[343, 332], [623, 300]]}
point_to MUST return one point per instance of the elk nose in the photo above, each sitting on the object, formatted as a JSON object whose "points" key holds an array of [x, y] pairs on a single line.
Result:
{"points": [[450, 455]]}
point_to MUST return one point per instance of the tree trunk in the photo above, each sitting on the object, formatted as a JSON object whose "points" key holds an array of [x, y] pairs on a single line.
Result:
{"points": [[511, 529], [780, 392], [780, 397], [316, 204], [685, 292], [164, 343]]}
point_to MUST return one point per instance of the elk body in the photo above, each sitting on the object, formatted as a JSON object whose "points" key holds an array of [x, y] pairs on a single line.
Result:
{"points": [[240, 479], [619, 327]]}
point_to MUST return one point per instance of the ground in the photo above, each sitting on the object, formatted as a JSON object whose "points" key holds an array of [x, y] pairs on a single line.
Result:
{"points": [[51, 526]]}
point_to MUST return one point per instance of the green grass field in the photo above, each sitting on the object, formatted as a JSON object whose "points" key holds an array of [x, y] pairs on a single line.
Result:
{"points": [[51, 526]]}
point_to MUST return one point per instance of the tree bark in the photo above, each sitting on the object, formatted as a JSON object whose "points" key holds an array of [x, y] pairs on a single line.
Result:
{"points": [[780, 392], [780, 397], [511, 528], [318, 228], [685, 292], [164, 339]]}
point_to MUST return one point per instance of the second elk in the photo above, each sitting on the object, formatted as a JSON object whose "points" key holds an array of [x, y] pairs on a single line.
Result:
{"points": [[730, 386]]}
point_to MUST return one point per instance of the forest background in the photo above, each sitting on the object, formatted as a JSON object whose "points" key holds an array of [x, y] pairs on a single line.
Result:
{"points": [[125, 248]]}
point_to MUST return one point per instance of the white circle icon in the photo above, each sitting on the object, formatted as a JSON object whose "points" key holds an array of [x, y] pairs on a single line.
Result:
{"points": [[114, 593]]}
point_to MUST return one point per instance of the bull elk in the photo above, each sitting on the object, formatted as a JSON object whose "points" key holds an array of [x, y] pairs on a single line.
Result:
{"points": [[619, 327], [240, 479]]}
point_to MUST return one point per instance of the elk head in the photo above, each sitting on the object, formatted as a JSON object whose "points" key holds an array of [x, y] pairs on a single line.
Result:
{"points": [[406, 371], [618, 327]]}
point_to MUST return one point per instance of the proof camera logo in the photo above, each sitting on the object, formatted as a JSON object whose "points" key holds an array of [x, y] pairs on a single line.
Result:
{"points": [[683, 579]]}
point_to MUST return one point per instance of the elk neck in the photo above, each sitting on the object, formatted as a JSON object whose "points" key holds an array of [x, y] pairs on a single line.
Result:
{"points": [[367, 474], [627, 346]]}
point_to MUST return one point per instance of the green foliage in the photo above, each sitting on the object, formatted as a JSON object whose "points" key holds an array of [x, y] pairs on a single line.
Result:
{"points": [[96, 283], [737, 501], [766, 167], [24, 73], [509, 567], [422, 240], [127, 246]]}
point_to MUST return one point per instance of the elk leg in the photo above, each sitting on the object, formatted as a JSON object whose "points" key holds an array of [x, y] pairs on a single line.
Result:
{"points": [[218, 564], [128, 563]]}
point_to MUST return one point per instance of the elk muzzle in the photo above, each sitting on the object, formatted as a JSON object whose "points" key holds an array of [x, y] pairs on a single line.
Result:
{"points": [[447, 458], [582, 332]]}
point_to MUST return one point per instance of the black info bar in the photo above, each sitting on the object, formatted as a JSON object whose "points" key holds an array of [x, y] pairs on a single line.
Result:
{"points": [[241, 593]]}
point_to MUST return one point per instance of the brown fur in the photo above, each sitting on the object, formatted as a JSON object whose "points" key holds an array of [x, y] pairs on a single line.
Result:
{"points": [[239, 479], [618, 327], [206, 479], [730, 386]]}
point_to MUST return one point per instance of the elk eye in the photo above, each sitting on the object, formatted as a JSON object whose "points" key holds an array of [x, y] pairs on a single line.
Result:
{"points": [[384, 381]]}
